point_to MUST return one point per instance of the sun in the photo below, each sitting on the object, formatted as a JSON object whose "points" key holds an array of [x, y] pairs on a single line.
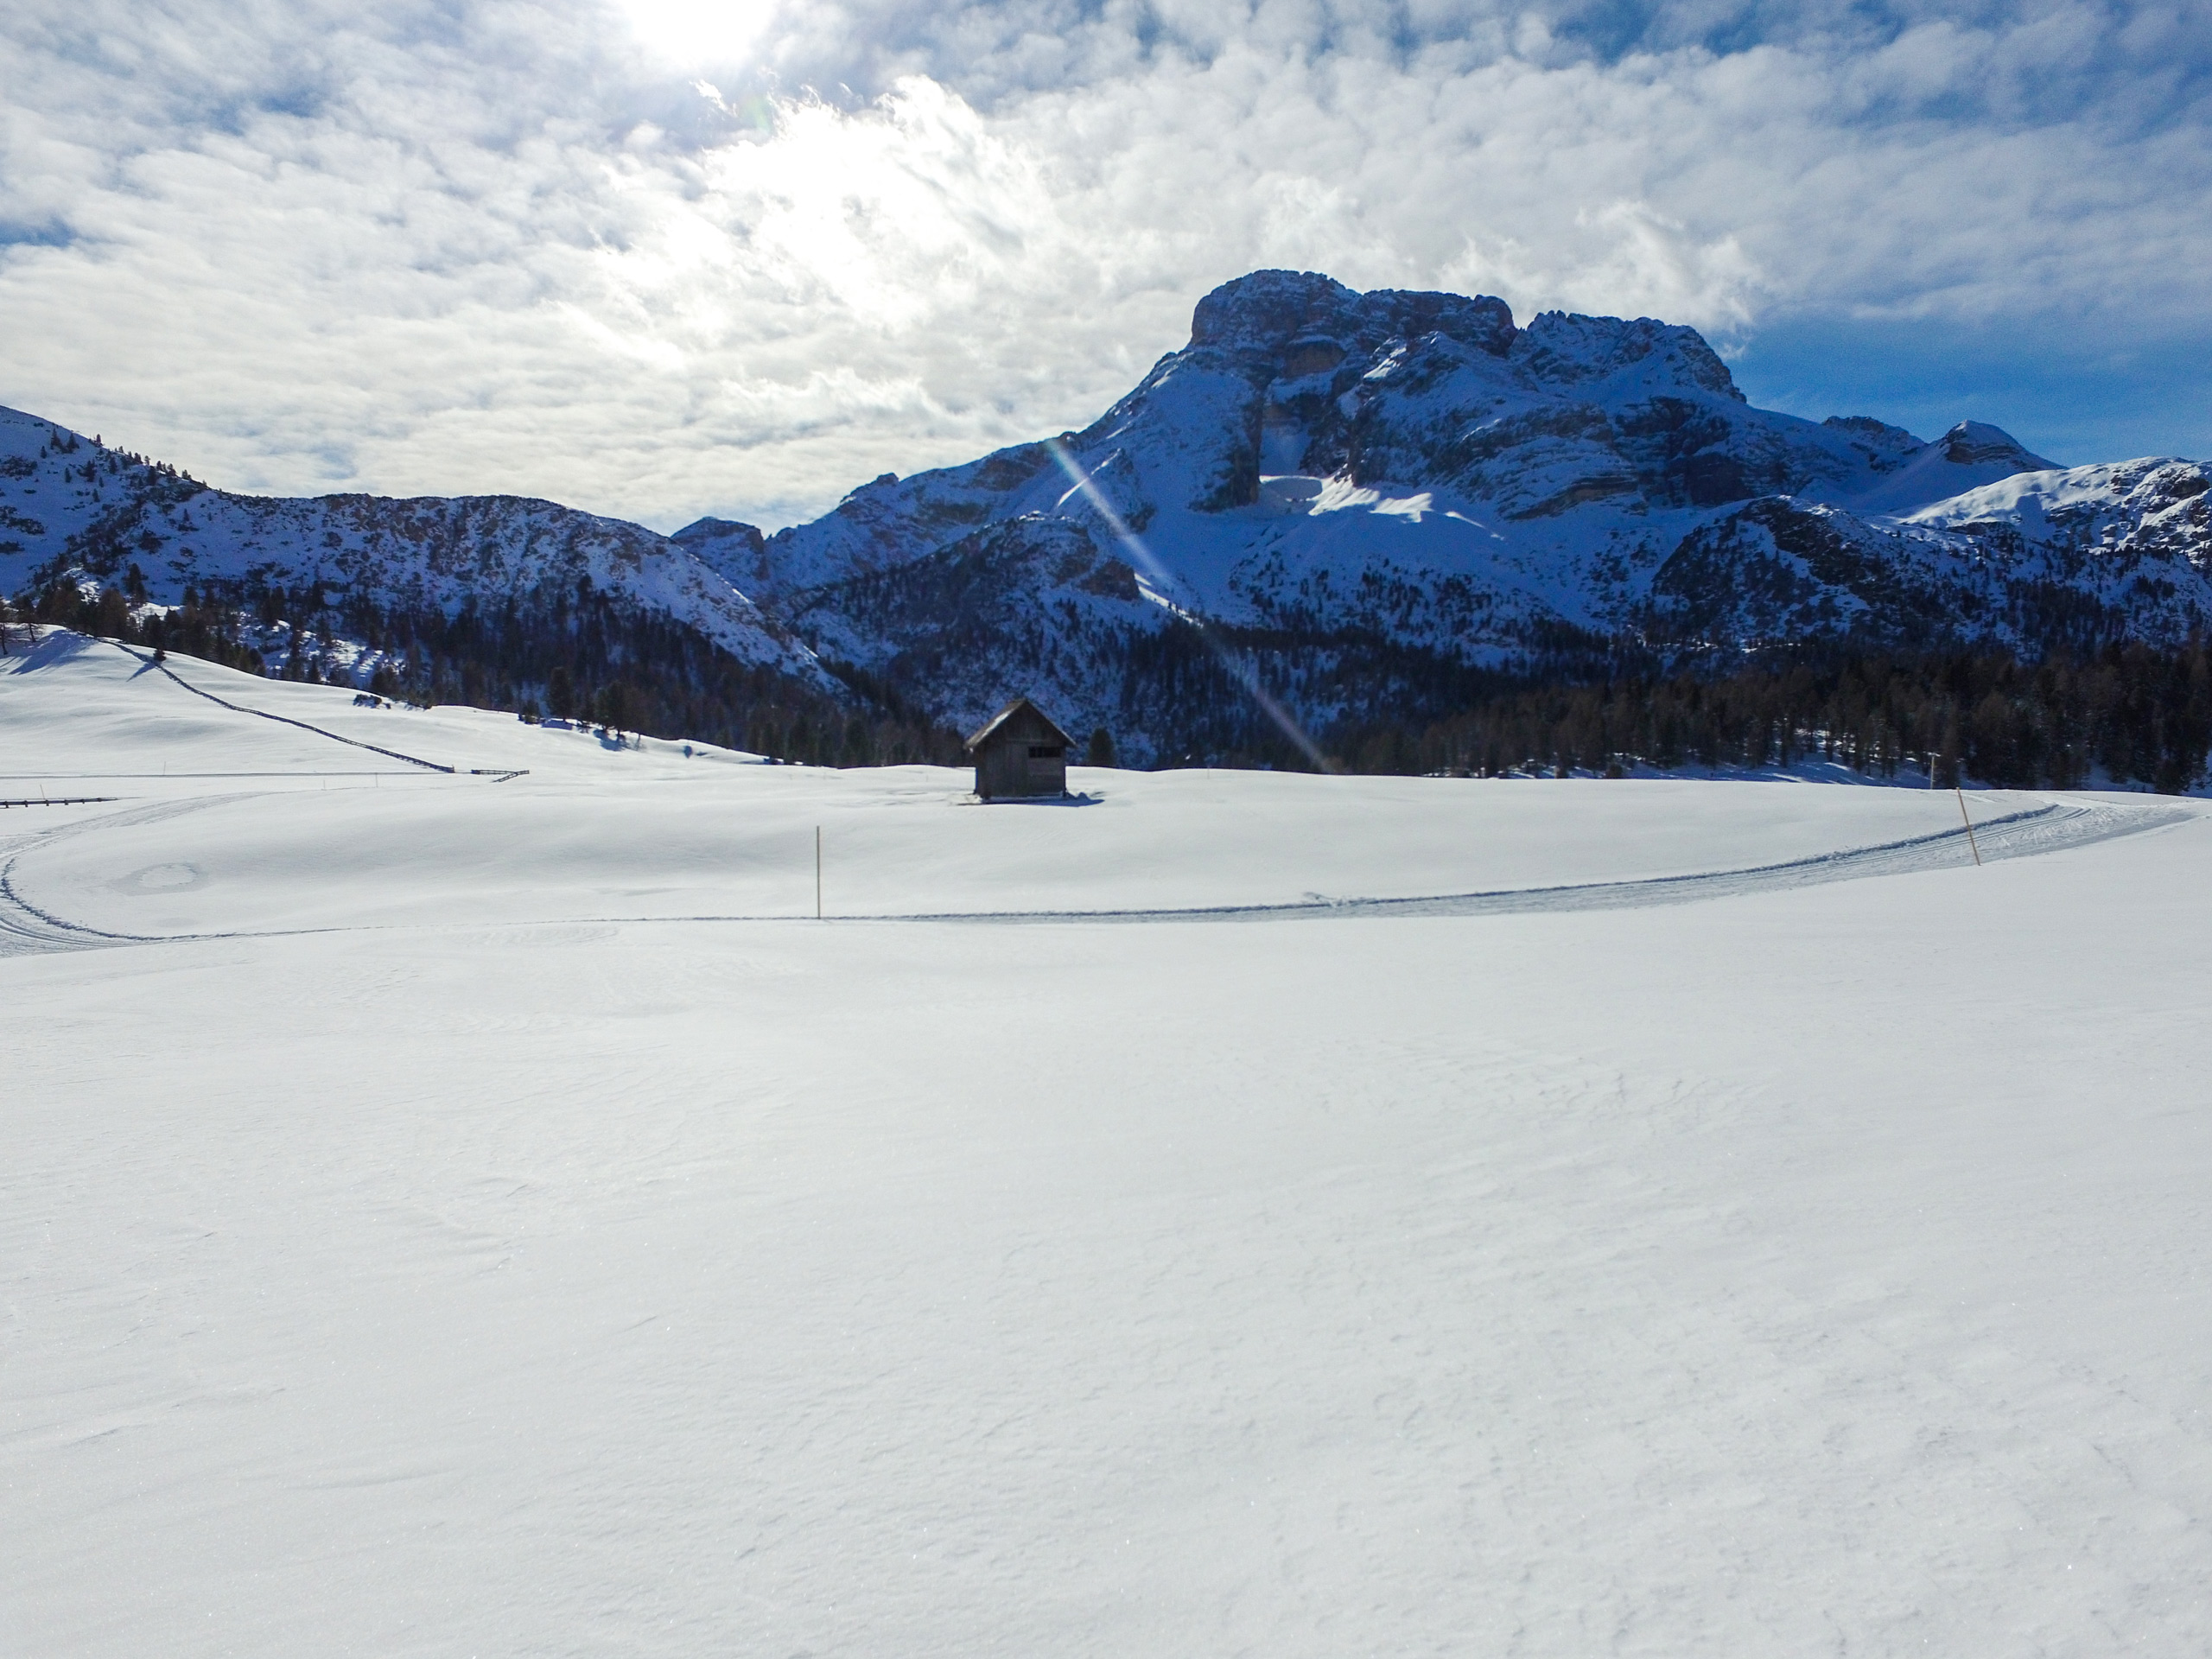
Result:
{"points": [[699, 32]]}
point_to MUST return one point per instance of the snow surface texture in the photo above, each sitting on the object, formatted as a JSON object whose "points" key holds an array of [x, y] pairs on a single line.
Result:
{"points": [[432, 1263]]}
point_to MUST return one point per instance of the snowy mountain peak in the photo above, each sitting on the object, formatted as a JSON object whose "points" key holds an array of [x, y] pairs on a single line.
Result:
{"points": [[1976, 443], [734, 549], [1301, 318], [1324, 467], [1381, 491], [1563, 350], [1916, 475]]}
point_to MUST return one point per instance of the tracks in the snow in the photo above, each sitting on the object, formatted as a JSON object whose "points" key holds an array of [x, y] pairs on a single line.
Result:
{"points": [[2016, 835], [148, 661], [25, 928]]}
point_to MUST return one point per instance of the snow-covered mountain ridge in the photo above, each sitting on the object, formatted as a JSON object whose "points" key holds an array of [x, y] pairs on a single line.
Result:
{"points": [[1363, 499], [1345, 473], [69, 504]]}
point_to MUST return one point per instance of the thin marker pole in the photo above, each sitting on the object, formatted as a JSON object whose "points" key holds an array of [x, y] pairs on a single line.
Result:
{"points": [[817, 872], [1969, 825]]}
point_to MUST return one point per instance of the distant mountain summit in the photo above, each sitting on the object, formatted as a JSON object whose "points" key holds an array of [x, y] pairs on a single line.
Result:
{"points": [[1365, 503], [1370, 493]]}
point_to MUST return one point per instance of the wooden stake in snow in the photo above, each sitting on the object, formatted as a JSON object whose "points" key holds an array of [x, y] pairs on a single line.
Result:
{"points": [[1969, 825], [817, 872]]}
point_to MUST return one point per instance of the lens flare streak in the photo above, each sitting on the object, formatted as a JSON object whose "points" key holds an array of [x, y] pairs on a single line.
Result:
{"points": [[1241, 669]]}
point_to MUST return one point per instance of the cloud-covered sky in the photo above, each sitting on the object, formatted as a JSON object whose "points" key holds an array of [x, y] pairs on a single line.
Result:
{"points": [[660, 257]]}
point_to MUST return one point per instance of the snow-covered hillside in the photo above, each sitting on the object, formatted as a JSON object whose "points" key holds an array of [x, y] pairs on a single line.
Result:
{"points": [[2070, 556], [67, 503], [1332, 470], [432, 1221]]}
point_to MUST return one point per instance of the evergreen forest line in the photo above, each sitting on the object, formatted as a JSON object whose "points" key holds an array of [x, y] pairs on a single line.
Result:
{"points": [[556, 652], [2126, 713]]}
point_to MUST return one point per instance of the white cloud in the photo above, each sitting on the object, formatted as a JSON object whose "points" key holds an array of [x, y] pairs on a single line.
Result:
{"points": [[671, 255]]}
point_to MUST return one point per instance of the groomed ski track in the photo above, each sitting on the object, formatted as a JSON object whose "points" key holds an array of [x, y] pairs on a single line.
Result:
{"points": [[25, 928], [2026, 833]]}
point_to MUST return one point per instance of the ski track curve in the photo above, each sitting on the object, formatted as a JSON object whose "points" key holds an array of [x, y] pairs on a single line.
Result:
{"points": [[2027, 833], [26, 929]]}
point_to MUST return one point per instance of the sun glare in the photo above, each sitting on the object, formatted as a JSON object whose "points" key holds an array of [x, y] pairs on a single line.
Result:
{"points": [[697, 32]]}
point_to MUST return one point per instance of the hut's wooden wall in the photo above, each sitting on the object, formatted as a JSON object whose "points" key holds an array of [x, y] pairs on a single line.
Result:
{"points": [[1004, 768]]}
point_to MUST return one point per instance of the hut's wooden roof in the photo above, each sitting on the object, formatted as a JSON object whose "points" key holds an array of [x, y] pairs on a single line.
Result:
{"points": [[1019, 707]]}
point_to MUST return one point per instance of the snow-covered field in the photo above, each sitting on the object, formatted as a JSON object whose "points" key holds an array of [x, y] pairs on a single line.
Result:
{"points": [[451, 1213]]}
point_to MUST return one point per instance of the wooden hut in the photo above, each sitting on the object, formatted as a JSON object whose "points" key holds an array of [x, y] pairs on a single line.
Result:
{"points": [[1019, 755]]}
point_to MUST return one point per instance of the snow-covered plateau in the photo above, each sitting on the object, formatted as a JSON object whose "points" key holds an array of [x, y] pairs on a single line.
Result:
{"points": [[458, 1200]]}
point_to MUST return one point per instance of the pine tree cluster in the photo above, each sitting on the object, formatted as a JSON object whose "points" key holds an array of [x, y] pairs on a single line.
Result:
{"points": [[2127, 713], [196, 628]]}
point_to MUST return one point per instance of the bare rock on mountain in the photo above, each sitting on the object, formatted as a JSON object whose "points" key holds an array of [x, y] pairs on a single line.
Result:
{"points": [[1974, 443]]}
